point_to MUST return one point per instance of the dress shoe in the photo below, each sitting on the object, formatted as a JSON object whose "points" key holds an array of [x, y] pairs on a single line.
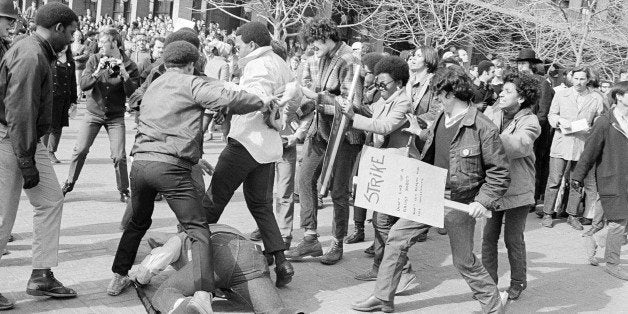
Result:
{"points": [[374, 304], [441, 231], [67, 187], [118, 284], [334, 255], [255, 235], [357, 236], [159, 197], [5, 252], [5, 304], [547, 221], [124, 196], [370, 250], [201, 303], [574, 222], [370, 275], [616, 271], [309, 246], [514, 291], [11, 238], [53, 158], [284, 274], [44, 283], [586, 221], [422, 237]]}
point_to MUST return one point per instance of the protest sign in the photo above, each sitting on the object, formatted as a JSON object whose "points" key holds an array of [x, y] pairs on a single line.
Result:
{"points": [[404, 187]]}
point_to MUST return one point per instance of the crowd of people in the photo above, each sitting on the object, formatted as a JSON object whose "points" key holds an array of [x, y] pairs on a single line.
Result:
{"points": [[516, 136]]}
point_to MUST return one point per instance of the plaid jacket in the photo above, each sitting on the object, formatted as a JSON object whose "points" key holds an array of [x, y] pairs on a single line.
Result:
{"points": [[335, 74]]}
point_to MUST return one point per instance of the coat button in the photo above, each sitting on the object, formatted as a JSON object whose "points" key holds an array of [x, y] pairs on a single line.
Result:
{"points": [[465, 152]]}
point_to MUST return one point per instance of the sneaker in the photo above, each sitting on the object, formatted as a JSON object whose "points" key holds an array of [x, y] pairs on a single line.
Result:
{"points": [[616, 271], [118, 284], [357, 236], [334, 255], [370, 275], [370, 250], [407, 282], [547, 221], [5, 304], [201, 303], [514, 291], [309, 246], [256, 236], [142, 275], [574, 222], [153, 243]]}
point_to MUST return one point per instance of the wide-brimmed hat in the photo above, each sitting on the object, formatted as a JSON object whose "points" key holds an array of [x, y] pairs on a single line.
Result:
{"points": [[527, 55]]}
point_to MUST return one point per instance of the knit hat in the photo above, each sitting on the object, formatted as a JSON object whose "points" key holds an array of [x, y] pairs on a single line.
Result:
{"points": [[179, 53]]}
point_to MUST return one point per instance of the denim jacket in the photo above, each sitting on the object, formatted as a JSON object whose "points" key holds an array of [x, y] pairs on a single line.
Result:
{"points": [[478, 166]]}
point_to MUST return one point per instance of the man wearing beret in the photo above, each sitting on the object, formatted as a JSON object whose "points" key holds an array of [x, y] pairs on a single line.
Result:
{"points": [[168, 143]]}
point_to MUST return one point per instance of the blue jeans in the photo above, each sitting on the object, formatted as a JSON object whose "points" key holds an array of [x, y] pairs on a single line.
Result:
{"points": [[238, 265], [514, 225], [87, 134], [460, 227], [558, 167], [309, 172]]}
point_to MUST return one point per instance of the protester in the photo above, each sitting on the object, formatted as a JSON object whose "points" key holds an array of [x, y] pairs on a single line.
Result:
{"points": [[64, 96], [240, 268], [370, 95], [478, 176], [576, 104], [384, 130], [24, 163], [482, 90], [253, 147], [519, 128], [165, 149], [111, 76], [80, 55], [338, 65], [605, 151]]}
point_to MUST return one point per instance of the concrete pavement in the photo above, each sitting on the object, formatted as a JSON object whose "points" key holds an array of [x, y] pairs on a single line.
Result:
{"points": [[559, 280]]}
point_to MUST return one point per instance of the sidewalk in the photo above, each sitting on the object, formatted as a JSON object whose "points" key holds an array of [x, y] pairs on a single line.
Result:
{"points": [[559, 280]]}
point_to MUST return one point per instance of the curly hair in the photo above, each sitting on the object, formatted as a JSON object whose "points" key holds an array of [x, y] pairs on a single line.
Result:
{"points": [[394, 66], [53, 13], [319, 29], [371, 59], [526, 85], [452, 79]]}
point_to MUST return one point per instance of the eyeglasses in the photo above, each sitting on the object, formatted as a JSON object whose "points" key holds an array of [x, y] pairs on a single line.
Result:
{"points": [[382, 85]]}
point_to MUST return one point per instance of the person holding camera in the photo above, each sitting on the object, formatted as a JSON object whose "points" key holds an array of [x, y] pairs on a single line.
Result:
{"points": [[111, 76]]}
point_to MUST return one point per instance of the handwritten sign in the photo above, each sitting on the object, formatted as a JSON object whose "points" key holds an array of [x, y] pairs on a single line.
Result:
{"points": [[404, 187]]}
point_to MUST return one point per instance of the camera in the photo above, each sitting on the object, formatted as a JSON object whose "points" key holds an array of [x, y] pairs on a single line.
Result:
{"points": [[113, 65]]}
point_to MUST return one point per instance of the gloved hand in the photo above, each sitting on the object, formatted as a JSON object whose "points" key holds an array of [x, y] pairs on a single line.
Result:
{"points": [[31, 176]]}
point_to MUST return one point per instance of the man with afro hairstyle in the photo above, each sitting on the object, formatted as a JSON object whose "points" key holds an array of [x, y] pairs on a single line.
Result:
{"points": [[25, 113]]}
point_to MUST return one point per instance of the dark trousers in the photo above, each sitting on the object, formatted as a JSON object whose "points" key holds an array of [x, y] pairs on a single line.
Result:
{"points": [[184, 197], [514, 222], [237, 167], [310, 171], [87, 134], [51, 140], [542, 147]]}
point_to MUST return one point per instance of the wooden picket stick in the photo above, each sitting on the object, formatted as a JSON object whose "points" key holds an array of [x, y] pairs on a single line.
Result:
{"points": [[463, 207], [343, 122]]}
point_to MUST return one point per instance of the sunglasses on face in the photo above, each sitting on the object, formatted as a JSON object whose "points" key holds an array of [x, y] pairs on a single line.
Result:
{"points": [[382, 85]]}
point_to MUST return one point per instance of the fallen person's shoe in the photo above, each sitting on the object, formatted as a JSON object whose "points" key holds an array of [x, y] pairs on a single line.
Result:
{"points": [[201, 303], [118, 284], [153, 243], [142, 275], [44, 283]]}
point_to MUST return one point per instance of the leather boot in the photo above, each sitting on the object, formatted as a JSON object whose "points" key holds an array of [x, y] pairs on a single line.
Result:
{"points": [[44, 283], [309, 246], [334, 255], [358, 234]]}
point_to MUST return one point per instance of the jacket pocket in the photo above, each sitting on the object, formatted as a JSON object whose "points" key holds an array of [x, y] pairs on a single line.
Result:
{"points": [[469, 160]]}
